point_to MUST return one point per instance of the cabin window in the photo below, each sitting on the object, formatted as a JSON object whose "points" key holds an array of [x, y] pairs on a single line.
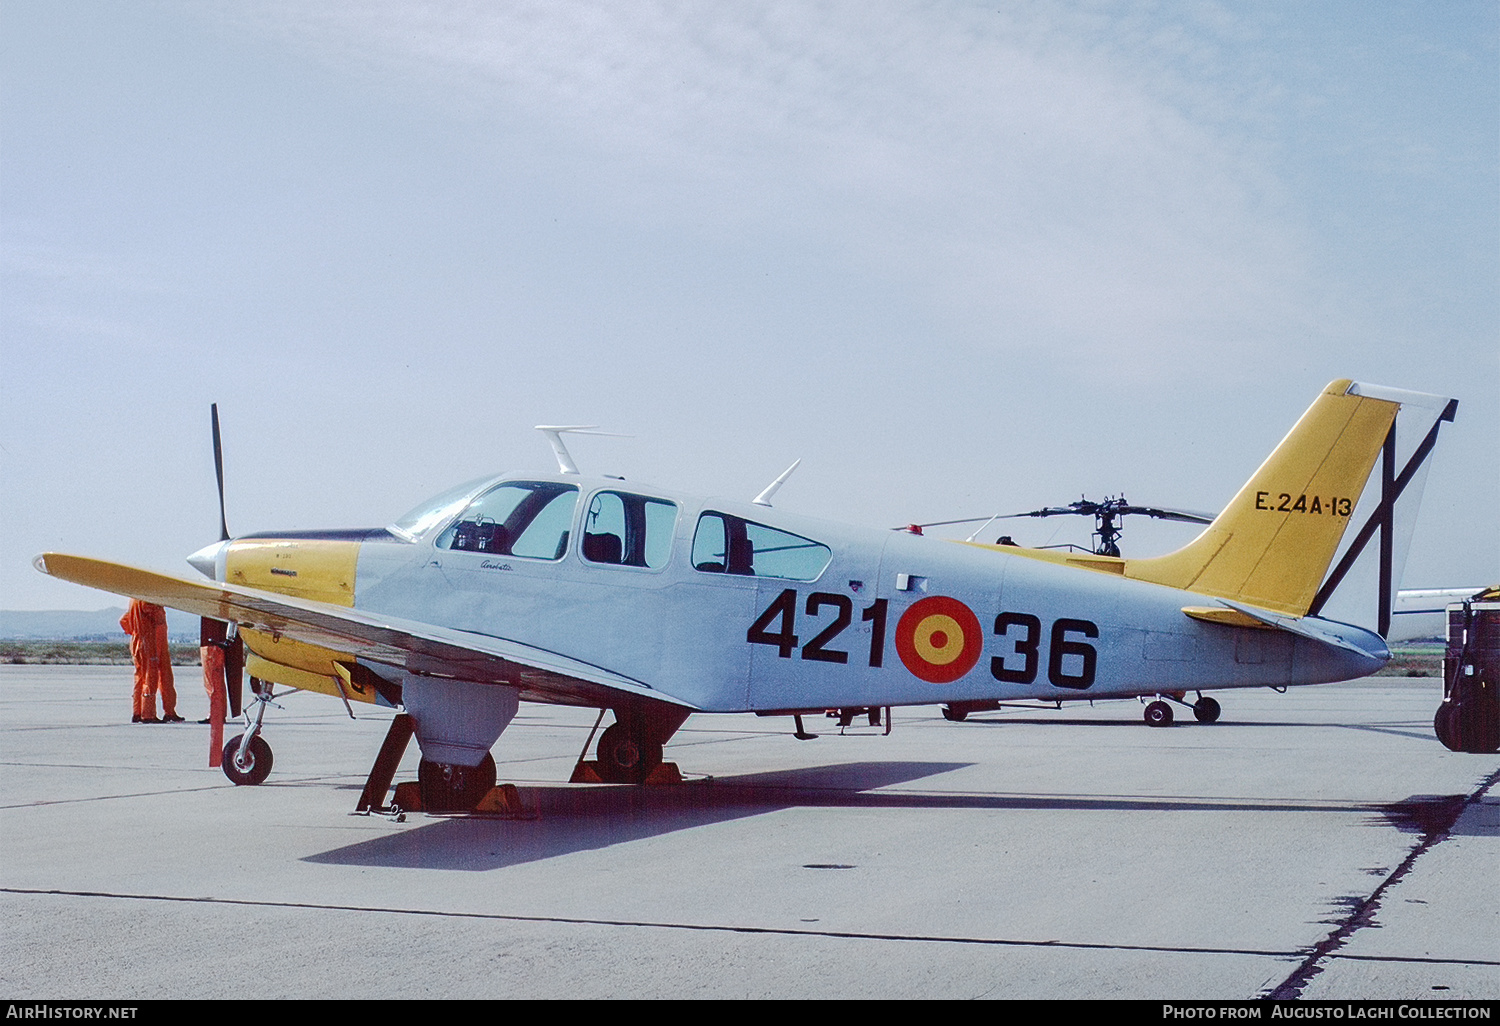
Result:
{"points": [[628, 530], [530, 519], [725, 544]]}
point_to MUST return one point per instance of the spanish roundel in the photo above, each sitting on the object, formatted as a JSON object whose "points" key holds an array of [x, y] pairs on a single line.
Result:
{"points": [[939, 639]]}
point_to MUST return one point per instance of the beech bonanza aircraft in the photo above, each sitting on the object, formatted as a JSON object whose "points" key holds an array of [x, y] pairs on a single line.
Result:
{"points": [[595, 592]]}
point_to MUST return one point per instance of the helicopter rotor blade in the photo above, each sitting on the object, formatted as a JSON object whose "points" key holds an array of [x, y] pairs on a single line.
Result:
{"points": [[1163, 513]]}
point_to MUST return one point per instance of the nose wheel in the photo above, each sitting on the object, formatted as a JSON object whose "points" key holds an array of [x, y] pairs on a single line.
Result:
{"points": [[246, 759], [250, 766]]}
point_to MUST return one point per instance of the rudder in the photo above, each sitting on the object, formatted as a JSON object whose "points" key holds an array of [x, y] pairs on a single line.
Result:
{"points": [[1274, 543]]}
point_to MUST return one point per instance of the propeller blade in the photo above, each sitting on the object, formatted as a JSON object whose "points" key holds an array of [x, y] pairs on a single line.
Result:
{"points": [[213, 410]]}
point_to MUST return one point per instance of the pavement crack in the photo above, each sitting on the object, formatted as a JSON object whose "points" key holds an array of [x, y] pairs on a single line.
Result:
{"points": [[1435, 818]]}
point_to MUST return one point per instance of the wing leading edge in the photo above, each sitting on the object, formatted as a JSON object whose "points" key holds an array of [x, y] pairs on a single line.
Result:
{"points": [[403, 645]]}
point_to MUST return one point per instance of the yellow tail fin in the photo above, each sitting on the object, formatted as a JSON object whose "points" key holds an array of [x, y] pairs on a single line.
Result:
{"points": [[1273, 544]]}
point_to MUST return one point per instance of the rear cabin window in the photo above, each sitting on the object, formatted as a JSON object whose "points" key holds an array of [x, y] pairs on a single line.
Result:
{"points": [[530, 519], [628, 530], [725, 544]]}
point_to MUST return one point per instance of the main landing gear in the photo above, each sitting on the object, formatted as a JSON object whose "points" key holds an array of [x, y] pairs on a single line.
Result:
{"points": [[439, 787], [1159, 713], [630, 749], [448, 788], [626, 756]]}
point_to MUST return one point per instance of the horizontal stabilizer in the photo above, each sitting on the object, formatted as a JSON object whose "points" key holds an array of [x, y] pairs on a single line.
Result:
{"points": [[1356, 640]]}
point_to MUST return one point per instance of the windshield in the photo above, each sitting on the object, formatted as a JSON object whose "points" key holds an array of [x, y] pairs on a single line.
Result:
{"points": [[517, 518], [436, 510]]}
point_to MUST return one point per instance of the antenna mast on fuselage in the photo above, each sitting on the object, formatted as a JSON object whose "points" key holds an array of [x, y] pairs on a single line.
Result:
{"points": [[554, 433]]}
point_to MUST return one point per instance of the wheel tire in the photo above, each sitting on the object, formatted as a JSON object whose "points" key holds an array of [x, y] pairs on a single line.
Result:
{"points": [[955, 715], [450, 788], [624, 757], [258, 757], [1445, 724], [1206, 710], [1158, 714]]}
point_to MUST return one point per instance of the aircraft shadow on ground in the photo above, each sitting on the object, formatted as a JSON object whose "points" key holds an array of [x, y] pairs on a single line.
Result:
{"points": [[568, 819]]}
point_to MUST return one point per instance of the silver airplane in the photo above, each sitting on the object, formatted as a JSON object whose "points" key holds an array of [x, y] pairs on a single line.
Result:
{"points": [[655, 604]]}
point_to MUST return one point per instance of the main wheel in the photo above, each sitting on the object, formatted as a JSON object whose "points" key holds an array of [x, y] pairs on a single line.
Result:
{"points": [[450, 788], [953, 715], [625, 757], [257, 764], [1158, 714], [1206, 710]]}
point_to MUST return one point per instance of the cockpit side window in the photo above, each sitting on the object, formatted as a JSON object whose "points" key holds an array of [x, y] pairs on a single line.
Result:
{"points": [[530, 519], [628, 530], [725, 544]]}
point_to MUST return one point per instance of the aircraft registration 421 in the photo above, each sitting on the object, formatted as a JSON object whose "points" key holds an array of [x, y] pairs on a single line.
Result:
{"points": [[652, 604], [939, 639]]}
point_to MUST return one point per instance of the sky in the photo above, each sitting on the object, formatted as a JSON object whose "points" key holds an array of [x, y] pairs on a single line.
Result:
{"points": [[958, 258]]}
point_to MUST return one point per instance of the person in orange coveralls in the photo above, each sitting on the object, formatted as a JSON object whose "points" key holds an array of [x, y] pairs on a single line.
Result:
{"points": [[147, 626]]}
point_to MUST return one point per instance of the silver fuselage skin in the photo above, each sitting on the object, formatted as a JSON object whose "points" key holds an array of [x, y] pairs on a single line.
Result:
{"points": [[728, 643]]}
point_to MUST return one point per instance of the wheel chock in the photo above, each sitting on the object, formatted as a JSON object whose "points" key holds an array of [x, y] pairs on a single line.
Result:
{"points": [[502, 798], [664, 773], [409, 795], [588, 773]]}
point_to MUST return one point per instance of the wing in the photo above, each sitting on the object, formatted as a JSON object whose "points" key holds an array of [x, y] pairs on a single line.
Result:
{"points": [[403, 645]]}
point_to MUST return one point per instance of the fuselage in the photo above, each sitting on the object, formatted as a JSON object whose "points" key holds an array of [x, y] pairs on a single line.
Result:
{"points": [[731, 606]]}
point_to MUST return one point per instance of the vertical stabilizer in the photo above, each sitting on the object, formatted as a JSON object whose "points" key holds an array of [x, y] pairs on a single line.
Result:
{"points": [[1356, 458]]}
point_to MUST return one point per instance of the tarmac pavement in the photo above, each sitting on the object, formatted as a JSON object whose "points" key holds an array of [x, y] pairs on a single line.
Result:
{"points": [[1318, 844]]}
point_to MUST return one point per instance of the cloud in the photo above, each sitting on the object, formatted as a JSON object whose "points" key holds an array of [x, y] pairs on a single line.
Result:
{"points": [[1048, 168]]}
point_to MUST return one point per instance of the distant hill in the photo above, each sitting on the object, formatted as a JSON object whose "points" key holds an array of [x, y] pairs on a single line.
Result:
{"points": [[77, 625]]}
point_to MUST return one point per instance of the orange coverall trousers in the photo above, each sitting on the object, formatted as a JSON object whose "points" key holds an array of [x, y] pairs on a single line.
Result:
{"points": [[218, 701]]}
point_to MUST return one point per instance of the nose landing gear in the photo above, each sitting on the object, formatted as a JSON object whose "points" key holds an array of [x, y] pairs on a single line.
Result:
{"points": [[247, 758]]}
